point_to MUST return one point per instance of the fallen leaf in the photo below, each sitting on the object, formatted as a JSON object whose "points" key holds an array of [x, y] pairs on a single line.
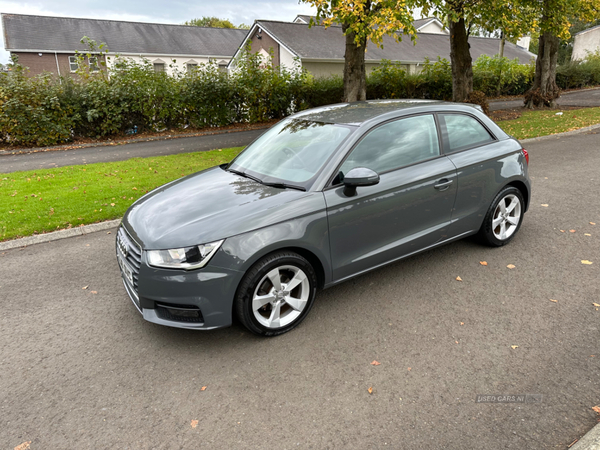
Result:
{"points": [[511, 266], [203, 388], [194, 423], [375, 363], [562, 231], [409, 369], [586, 234], [85, 287], [596, 305], [458, 279], [462, 323], [571, 231], [370, 390], [23, 446], [592, 223], [514, 346], [596, 409], [94, 292], [545, 205], [483, 263], [586, 262], [108, 232], [456, 342], [554, 301]]}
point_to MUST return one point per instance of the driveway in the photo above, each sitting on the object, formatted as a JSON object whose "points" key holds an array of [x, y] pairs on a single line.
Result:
{"points": [[585, 99], [79, 368]]}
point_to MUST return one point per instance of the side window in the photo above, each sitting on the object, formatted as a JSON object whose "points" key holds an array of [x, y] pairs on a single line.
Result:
{"points": [[395, 144], [464, 132]]}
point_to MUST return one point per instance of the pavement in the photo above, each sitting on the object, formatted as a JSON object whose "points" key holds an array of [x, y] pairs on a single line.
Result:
{"points": [[80, 368], [585, 98]]}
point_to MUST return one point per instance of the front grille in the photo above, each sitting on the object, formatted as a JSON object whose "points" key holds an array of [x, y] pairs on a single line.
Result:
{"points": [[132, 253], [177, 313]]}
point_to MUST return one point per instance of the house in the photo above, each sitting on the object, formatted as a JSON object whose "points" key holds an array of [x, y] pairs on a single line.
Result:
{"points": [[586, 42], [320, 50], [48, 43]]}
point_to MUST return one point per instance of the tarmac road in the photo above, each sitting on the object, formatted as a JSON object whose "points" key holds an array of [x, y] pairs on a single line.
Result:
{"points": [[81, 369], [585, 98]]}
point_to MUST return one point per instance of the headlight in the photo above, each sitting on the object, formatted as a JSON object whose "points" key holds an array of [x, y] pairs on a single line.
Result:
{"points": [[187, 258]]}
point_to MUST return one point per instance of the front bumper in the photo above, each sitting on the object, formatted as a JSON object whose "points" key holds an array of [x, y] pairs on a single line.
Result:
{"points": [[200, 299]]}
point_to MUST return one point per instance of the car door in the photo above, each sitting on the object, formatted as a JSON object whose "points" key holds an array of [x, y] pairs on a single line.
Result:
{"points": [[477, 156], [408, 210]]}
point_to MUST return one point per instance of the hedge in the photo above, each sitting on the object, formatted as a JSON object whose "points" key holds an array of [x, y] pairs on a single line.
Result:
{"points": [[47, 110]]}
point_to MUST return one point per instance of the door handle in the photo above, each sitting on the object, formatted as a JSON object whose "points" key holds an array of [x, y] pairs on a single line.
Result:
{"points": [[443, 184]]}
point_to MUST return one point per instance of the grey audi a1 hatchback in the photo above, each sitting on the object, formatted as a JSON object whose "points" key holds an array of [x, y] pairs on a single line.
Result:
{"points": [[322, 196]]}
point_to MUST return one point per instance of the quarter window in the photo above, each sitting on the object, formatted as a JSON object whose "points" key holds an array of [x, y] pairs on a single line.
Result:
{"points": [[395, 144], [93, 60], [465, 132], [159, 67]]}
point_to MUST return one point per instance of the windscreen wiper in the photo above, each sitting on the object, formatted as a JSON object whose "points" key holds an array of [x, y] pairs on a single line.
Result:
{"points": [[284, 186], [243, 174]]}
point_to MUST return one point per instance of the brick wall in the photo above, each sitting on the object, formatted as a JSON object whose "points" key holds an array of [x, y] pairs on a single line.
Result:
{"points": [[46, 62]]}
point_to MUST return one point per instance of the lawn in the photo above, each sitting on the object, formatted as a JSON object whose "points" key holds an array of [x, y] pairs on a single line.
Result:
{"points": [[38, 201], [541, 123]]}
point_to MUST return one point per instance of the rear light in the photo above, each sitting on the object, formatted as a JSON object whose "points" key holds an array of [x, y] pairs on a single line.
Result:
{"points": [[526, 155]]}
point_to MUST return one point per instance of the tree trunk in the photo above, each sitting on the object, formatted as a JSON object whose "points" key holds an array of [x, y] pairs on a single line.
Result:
{"points": [[355, 84], [500, 54], [544, 91], [460, 58]]}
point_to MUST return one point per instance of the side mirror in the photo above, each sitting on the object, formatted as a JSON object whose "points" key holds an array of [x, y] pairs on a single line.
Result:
{"points": [[359, 176]]}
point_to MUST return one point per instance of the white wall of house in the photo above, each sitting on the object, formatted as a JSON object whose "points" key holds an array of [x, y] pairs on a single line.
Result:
{"points": [[585, 43], [286, 59], [172, 64], [433, 27]]}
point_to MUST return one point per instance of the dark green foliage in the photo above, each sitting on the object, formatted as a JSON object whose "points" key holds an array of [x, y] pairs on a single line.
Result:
{"points": [[576, 74], [45, 110]]}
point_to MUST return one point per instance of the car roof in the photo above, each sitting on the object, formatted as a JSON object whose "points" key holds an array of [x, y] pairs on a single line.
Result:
{"points": [[357, 113]]}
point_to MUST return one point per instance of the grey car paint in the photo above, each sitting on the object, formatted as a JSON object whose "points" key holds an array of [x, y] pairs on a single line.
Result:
{"points": [[341, 236]]}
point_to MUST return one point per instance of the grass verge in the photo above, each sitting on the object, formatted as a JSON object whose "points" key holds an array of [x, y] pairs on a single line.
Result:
{"points": [[541, 123], [38, 201]]}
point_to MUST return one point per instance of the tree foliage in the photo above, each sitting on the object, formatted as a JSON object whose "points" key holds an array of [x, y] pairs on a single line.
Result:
{"points": [[214, 22], [363, 21]]}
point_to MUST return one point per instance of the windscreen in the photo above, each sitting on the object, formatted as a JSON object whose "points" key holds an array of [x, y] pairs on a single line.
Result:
{"points": [[292, 151]]}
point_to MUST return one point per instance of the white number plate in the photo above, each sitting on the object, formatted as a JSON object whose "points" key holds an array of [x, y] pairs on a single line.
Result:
{"points": [[127, 273]]}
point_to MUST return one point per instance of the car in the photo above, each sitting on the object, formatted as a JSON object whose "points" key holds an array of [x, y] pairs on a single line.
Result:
{"points": [[321, 197]]}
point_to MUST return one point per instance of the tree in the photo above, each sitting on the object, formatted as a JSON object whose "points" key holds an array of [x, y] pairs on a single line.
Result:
{"points": [[363, 21], [556, 16], [511, 18], [213, 22]]}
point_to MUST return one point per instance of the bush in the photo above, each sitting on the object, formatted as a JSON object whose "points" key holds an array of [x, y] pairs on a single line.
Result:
{"points": [[31, 112], [495, 76], [577, 74]]}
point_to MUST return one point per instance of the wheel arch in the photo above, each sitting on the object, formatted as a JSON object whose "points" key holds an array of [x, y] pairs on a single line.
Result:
{"points": [[522, 187]]}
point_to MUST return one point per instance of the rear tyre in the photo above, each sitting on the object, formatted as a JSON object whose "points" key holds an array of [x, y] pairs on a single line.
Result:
{"points": [[276, 294], [503, 219]]}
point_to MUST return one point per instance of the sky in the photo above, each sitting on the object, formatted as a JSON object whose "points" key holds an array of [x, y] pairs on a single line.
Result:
{"points": [[173, 11]]}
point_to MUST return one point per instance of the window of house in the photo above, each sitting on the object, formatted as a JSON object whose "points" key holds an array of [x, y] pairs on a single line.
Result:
{"points": [[93, 62], [223, 66], [73, 63], [465, 132], [159, 67], [395, 144], [191, 67]]}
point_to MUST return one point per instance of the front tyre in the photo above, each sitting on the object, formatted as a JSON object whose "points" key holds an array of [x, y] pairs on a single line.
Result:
{"points": [[276, 294], [503, 219]]}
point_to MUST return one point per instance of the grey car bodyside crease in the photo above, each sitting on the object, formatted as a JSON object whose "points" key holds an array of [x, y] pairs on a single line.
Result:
{"points": [[281, 232]]}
